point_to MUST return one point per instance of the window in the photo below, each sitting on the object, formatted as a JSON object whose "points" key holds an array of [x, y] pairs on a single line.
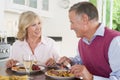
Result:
{"points": [[30, 3], [39, 6], [109, 12], [33, 3], [22, 2], [45, 5]]}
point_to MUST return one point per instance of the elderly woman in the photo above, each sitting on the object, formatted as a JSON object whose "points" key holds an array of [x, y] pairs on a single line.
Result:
{"points": [[31, 41]]}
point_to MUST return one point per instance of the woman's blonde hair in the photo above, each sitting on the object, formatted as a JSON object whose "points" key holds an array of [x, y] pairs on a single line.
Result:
{"points": [[26, 19]]}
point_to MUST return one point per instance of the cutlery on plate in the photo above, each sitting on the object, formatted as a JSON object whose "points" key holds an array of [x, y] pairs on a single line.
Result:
{"points": [[19, 64], [41, 65]]}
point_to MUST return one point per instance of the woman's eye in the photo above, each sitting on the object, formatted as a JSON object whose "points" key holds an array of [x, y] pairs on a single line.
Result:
{"points": [[34, 25]]}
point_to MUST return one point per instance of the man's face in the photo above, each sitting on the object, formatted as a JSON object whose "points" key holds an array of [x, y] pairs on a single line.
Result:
{"points": [[77, 24]]}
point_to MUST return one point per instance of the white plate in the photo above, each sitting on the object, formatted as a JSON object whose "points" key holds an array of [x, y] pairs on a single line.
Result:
{"points": [[59, 78], [24, 72]]}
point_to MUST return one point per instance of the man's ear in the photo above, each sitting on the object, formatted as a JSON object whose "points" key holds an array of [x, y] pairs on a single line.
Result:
{"points": [[85, 18]]}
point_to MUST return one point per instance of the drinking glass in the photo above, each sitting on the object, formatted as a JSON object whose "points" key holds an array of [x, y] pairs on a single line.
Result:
{"points": [[35, 61], [28, 61]]}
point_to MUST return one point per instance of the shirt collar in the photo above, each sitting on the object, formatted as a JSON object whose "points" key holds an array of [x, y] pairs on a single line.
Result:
{"points": [[99, 32], [43, 41]]}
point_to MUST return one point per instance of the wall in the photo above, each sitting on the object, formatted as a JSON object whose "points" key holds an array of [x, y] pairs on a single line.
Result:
{"points": [[60, 23], [56, 25], [11, 20], [1, 13]]}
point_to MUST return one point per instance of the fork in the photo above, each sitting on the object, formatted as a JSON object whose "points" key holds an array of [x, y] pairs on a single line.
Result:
{"points": [[69, 67], [19, 64]]}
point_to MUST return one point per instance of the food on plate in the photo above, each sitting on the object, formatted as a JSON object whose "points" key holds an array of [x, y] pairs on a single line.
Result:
{"points": [[18, 68], [59, 73], [15, 68], [35, 67], [13, 77], [22, 69]]}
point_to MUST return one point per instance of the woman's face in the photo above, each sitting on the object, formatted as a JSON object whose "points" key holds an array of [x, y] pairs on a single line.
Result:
{"points": [[34, 30]]}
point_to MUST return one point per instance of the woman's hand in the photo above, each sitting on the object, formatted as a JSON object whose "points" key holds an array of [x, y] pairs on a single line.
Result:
{"points": [[50, 62], [10, 63], [81, 71]]}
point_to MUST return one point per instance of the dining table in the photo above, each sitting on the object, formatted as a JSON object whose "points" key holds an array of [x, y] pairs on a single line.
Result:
{"points": [[40, 75]]}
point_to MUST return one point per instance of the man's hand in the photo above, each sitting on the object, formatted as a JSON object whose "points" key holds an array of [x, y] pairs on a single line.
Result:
{"points": [[64, 59], [81, 71]]}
